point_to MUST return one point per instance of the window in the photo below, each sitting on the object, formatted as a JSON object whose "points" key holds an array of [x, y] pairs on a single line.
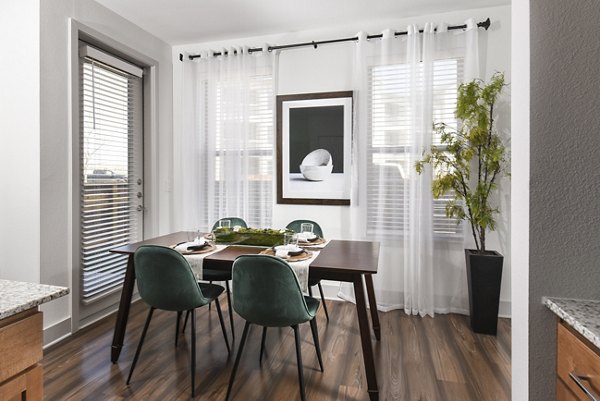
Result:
{"points": [[244, 144], [390, 162], [111, 207]]}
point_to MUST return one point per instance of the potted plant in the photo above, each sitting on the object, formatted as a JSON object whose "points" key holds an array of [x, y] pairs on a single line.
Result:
{"points": [[468, 168]]}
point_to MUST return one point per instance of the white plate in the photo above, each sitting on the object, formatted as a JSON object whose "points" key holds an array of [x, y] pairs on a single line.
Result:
{"points": [[287, 248]]}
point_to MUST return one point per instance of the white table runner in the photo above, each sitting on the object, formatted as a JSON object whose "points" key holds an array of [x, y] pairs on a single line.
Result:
{"points": [[300, 268], [196, 261]]}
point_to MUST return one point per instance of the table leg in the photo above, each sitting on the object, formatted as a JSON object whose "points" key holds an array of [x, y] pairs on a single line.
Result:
{"points": [[373, 306], [365, 339], [123, 312]]}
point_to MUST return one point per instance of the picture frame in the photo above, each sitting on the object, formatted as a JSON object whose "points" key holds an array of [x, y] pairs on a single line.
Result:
{"points": [[314, 145]]}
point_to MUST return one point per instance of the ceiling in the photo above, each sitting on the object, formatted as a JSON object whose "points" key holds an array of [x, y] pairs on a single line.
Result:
{"points": [[190, 21]]}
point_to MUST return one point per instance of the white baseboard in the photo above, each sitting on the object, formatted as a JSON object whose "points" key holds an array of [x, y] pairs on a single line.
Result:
{"points": [[332, 288], [57, 332], [504, 310]]}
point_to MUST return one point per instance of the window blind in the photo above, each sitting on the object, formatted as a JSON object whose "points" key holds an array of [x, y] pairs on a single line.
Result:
{"points": [[390, 161], [110, 148]]}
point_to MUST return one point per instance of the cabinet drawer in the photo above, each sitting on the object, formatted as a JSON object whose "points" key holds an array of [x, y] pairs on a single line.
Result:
{"points": [[20, 343], [577, 356], [28, 386], [563, 393]]}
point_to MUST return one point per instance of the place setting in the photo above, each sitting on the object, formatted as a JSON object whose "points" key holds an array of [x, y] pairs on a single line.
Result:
{"points": [[196, 244], [307, 239], [289, 251]]}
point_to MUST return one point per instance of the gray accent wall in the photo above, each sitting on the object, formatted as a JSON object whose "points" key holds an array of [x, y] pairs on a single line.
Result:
{"points": [[564, 230]]}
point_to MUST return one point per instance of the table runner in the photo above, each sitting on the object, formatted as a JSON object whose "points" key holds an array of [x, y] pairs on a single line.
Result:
{"points": [[300, 268], [196, 261]]}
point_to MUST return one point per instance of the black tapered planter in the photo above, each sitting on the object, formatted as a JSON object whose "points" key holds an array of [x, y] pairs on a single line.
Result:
{"points": [[484, 276]]}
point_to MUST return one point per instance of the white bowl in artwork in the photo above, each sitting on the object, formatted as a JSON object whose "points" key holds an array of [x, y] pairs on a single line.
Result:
{"points": [[317, 165], [316, 173]]}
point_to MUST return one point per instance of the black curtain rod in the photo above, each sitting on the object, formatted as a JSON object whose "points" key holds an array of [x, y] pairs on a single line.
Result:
{"points": [[483, 24]]}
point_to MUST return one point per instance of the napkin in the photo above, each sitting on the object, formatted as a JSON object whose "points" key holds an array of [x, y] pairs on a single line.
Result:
{"points": [[306, 236], [284, 250], [200, 243]]}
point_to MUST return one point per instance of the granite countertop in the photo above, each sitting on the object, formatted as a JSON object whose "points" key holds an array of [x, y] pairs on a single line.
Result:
{"points": [[17, 296], [582, 315]]}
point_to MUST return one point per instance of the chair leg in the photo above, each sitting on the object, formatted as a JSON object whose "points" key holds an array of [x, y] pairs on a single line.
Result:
{"points": [[139, 347], [187, 314], [310, 291], [299, 359], [230, 307], [315, 334], [210, 282], [222, 324], [323, 301], [177, 327], [262, 344], [237, 360], [193, 313]]}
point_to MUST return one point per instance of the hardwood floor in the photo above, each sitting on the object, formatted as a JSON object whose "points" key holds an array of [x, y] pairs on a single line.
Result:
{"points": [[418, 359]]}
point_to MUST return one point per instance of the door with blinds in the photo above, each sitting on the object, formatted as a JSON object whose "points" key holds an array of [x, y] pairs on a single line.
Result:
{"points": [[111, 174]]}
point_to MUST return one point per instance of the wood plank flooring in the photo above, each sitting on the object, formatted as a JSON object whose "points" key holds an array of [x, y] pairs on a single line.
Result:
{"points": [[418, 359]]}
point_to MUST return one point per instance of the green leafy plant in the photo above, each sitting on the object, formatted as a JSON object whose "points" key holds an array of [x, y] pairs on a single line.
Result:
{"points": [[472, 160], [249, 236]]}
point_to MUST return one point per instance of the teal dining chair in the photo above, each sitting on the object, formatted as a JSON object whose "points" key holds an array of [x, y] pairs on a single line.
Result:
{"points": [[267, 293], [165, 281], [211, 275], [295, 226]]}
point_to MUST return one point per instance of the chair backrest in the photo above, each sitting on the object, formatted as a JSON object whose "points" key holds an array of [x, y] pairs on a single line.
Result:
{"points": [[165, 279], [235, 221], [267, 292], [295, 226]]}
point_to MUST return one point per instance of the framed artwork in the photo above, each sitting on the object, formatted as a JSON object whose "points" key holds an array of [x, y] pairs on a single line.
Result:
{"points": [[314, 142]]}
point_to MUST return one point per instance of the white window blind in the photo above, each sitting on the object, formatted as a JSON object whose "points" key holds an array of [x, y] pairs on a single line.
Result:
{"points": [[110, 164], [251, 146], [390, 163]]}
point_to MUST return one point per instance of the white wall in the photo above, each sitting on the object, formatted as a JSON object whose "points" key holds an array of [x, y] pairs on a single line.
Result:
{"points": [[20, 140], [328, 68], [56, 136], [520, 201]]}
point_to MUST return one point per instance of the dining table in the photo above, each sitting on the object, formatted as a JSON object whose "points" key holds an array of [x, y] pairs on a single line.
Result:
{"points": [[340, 260]]}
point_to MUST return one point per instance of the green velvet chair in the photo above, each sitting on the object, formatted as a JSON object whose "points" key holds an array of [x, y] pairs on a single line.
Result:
{"points": [[295, 226], [267, 293], [211, 275], [165, 281]]}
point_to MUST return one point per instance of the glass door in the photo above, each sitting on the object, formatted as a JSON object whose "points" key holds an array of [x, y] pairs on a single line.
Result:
{"points": [[111, 175]]}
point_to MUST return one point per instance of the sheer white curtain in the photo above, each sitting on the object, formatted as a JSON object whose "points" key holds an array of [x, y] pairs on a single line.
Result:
{"points": [[224, 151], [402, 86]]}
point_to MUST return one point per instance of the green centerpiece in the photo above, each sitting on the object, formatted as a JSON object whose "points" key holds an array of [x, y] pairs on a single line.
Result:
{"points": [[249, 236]]}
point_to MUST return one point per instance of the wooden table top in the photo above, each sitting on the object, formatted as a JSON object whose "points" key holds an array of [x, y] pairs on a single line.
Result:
{"points": [[340, 256]]}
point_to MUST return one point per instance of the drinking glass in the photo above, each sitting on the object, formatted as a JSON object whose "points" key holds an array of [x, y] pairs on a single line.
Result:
{"points": [[306, 228], [290, 239], [225, 224], [193, 235]]}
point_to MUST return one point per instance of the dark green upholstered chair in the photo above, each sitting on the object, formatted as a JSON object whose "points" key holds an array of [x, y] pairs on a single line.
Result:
{"points": [[211, 275], [165, 281], [295, 226], [267, 293]]}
